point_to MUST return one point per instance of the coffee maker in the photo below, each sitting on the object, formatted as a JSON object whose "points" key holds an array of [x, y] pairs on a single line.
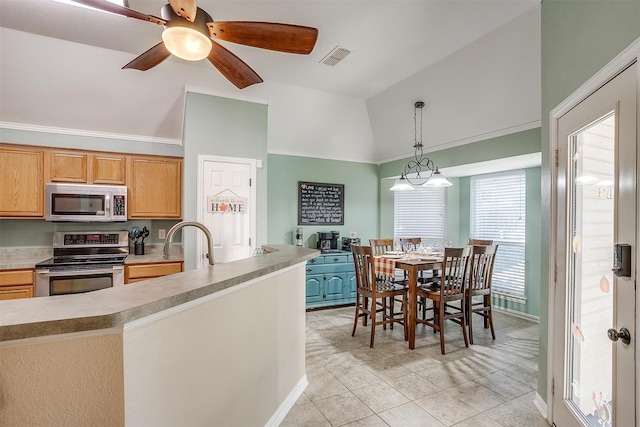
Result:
{"points": [[328, 241]]}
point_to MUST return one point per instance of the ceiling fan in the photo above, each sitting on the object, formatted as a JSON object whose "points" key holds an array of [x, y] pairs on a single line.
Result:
{"points": [[190, 33]]}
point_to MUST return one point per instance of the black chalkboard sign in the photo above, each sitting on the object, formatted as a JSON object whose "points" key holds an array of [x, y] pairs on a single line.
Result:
{"points": [[320, 204]]}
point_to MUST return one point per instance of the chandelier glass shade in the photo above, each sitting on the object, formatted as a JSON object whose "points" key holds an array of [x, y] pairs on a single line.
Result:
{"points": [[419, 171]]}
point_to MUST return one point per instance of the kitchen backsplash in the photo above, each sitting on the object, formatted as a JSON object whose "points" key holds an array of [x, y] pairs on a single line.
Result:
{"points": [[35, 233]]}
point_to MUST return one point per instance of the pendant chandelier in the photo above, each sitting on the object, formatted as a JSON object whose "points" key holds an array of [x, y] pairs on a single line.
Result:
{"points": [[420, 171]]}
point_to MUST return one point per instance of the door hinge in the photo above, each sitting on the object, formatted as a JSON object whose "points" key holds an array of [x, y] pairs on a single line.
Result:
{"points": [[555, 273], [249, 182], [556, 158], [553, 386], [249, 241]]}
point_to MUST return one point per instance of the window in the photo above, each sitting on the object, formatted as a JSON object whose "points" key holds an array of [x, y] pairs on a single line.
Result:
{"points": [[421, 213], [498, 213]]}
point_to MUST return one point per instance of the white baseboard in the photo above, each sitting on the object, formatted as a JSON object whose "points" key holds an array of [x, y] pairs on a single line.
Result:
{"points": [[516, 313], [541, 405], [287, 404]]}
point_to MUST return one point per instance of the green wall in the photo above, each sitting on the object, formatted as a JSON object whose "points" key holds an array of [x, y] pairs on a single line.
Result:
{"points": [[223, 127], [578, 39], [360, 189]]}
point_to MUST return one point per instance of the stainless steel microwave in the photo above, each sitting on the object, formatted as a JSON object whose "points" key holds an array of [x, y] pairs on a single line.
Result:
{"points": [[86, 203]]}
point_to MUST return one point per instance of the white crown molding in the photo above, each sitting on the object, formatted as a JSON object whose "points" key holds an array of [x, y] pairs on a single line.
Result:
{"points": [[88, 133], [475, 138], [319, 156]]}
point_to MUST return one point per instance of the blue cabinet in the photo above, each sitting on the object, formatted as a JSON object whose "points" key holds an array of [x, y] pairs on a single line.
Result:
{"points": [[331, 280]]}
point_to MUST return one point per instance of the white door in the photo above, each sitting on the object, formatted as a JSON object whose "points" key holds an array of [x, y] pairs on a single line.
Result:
{"points": [[593, 381], [227, 207]]}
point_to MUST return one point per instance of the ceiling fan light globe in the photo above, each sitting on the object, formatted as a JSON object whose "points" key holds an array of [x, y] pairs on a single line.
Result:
{"points": [[186, 43]]}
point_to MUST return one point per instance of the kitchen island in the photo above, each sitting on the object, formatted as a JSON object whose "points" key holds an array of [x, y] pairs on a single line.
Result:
{"points": [[216, 344]]}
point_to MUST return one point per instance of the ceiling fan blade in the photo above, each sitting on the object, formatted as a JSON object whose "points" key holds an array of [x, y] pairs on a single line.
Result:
{"points": [[266, 35], [232, 67], [185, 8], [150, 58], [120, 10]]}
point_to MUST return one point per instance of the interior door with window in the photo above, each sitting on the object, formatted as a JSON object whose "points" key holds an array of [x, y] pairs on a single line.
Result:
{"points": [[593, 361]]}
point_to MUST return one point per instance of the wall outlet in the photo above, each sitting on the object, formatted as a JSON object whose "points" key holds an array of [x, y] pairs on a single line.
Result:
{"points": [[162, 233]]}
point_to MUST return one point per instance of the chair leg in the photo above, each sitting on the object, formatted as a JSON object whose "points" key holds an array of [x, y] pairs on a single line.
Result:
{"points": [[463, 324], [470, 323], [441, 325], [365, 303], [355, 321], [373, 322], [490, 316], [404, 317]]}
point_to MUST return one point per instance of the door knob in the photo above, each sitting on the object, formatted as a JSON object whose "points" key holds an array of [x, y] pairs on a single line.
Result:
{"points": [[623, 335]]}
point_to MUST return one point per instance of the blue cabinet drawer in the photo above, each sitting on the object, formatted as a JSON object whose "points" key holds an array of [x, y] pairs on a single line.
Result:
{"points": [[315, 261], [328, 269], [336, 259]]}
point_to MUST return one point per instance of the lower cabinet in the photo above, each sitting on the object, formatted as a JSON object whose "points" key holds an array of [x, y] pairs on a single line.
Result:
{"points": [[331, 280], [16, 284], [139, 272]]}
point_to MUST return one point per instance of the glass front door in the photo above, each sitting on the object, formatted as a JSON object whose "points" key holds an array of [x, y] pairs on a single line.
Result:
{"points": [[593, 365]]}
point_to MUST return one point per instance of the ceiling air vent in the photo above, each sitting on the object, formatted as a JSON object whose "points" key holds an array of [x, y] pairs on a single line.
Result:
{"points": [[335, 56]]}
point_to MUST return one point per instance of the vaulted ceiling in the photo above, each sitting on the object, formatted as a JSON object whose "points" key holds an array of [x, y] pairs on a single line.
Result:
{"points": [[475, 64]]}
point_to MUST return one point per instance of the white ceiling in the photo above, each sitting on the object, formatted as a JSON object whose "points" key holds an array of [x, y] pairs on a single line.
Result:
{"points": [[396, 47]]}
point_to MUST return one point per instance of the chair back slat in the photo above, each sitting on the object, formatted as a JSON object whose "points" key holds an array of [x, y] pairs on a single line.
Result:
{"points": [[454, 270], [415, 241], [479, 242], [482, 261], [362, 263], [380, 246]]}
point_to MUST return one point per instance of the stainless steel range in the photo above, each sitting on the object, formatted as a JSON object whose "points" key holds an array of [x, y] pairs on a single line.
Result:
{"points": [[83, 262]]}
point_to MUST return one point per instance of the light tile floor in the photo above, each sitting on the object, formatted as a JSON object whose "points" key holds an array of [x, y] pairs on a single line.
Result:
{"points": [[490, 384]]}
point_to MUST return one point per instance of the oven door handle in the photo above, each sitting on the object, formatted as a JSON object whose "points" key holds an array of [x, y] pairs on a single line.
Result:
{"points": [[83, 272]]}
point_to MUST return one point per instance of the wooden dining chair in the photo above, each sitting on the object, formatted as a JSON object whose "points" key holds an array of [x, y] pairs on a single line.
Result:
{"points": [[450, 289], [481, 242], [375, 291], [380, 246], [479, 285]]}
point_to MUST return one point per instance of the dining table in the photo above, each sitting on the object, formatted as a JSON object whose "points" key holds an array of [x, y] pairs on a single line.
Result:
{"points": [[385, 265]]}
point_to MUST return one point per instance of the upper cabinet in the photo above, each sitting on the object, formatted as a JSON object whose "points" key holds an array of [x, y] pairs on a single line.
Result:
{"points": [[155, 187], [154, 182], [86, 167], [21, 178]]}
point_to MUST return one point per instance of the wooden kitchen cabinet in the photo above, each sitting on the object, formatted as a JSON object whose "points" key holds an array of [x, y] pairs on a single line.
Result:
{"points": [[21, 181], [155, 187], [86, 167], [16, 284], [139, 272]]}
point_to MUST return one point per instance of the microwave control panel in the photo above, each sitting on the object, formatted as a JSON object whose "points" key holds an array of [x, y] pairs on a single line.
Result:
{"points": [[119, 206]]}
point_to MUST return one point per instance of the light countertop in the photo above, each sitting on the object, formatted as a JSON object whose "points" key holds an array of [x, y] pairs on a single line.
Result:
{"points": [[113, 307]]}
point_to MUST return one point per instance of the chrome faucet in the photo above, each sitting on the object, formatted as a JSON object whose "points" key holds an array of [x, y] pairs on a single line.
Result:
{"points": [[178, 226]]}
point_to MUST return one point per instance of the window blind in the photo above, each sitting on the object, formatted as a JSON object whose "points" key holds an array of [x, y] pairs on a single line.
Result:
{"points": [[421, 213], [498, 207]]}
